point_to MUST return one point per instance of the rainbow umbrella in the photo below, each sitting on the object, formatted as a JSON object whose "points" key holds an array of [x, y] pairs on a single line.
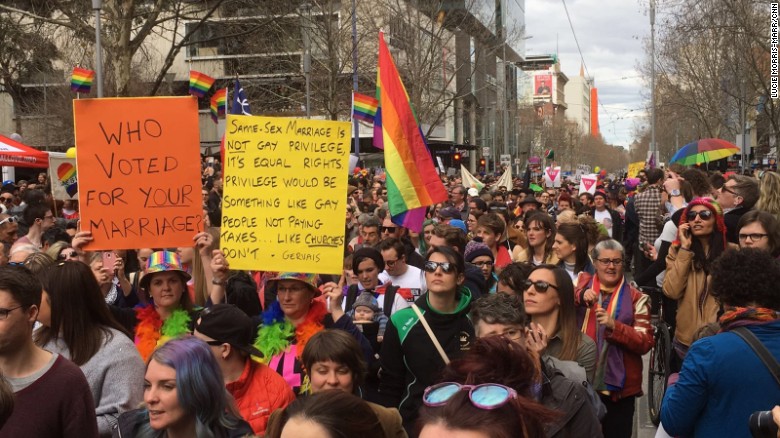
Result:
{"points": [[704, 151]]}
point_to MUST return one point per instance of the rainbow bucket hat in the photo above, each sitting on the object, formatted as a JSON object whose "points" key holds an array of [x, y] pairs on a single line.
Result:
{"points": [[163, 261], [310, 280]]}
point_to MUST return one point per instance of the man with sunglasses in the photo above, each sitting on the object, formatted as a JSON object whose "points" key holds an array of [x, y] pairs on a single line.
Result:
{"points": [[397, 271], [737, 196], [617, 317]]}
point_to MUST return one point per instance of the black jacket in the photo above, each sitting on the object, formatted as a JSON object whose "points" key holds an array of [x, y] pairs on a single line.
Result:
{"points": [[409, 359], [731, 219], [617, 223], [570, 399]]}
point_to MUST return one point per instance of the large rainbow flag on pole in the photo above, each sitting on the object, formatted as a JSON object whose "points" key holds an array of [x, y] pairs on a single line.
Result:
{"points": [[412, 181]]}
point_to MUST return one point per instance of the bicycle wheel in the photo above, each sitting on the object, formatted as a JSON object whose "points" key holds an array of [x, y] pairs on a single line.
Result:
{"points": [[658, 373]]}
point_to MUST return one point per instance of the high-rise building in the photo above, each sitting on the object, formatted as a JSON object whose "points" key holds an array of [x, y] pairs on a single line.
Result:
{"points": [[577, 96]]}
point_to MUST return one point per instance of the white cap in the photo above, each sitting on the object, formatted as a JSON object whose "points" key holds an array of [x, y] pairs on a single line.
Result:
{"points": [[473, 192]]}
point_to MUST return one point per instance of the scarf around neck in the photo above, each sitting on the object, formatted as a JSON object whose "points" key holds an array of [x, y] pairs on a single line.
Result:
{"points": [[735, 317], [611, 371]]}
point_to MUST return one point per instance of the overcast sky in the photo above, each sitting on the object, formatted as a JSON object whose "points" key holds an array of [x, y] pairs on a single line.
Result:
{"points": [[611, 34]]}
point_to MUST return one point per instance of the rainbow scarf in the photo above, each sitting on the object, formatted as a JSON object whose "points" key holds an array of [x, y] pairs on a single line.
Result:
{"points": [[735, 317], [611, 371], [412, 180], [151, 331]]}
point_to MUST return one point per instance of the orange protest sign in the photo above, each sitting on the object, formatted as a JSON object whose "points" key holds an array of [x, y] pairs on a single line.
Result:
{"points": [[139, 171]]}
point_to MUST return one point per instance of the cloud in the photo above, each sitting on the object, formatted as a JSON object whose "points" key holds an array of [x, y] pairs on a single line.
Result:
{"points": [[611, 35]]}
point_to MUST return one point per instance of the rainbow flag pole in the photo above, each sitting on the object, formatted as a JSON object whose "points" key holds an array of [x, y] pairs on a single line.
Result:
{"points": [[200, 83], [81, 80], [412, 181]]}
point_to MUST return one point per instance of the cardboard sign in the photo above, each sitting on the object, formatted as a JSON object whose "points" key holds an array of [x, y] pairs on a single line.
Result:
{"points": [[285, 194], [588, 184], [139, 171], [64, 182], [552, 176]]}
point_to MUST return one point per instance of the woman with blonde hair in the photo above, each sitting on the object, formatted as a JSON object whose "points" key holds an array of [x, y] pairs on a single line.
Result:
{"points": [[769, 194]]}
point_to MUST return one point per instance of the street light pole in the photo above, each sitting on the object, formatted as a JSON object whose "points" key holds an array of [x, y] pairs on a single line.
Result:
{"points": [[652, 81], [97, 5]]}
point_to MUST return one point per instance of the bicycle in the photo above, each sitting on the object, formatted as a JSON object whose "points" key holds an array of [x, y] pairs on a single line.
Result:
{"points": [[660, 355]]}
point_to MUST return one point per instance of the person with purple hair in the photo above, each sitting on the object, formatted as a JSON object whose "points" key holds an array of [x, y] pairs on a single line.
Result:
{"points": [[184, 396]]}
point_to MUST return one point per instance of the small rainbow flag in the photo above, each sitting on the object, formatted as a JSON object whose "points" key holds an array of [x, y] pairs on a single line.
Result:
{"points": [[218, 104], [364, 107], [412, 180], [200, 84], [81, 80]]}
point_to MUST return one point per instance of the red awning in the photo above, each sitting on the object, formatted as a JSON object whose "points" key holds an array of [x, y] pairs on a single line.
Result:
{"points": [[13, 153]]}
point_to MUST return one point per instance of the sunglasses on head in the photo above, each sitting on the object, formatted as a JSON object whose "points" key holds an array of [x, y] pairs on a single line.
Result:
{"points": [[7, 199], [703, 214], [8, 220], [540, 286], [446, 267], [485, 396]]}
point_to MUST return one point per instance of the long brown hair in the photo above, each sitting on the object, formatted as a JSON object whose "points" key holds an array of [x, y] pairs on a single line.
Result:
{"points": [[79, 314], [567, 313], [545, 221]]}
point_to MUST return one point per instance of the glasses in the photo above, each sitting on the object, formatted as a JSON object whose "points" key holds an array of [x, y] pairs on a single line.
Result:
{"points": [[4, 312], [8, 220], [290, 289], [752, 236], [703, 214], [540, 286], [6, 200], [723, 188], [391, 263], [485, 396], [481, 264], [388, 229], [512, 334], [446, 267], [607, 262]]}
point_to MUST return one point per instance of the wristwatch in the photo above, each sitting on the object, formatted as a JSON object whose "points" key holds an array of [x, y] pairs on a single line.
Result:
{"points": [[217, 282], [675, 192]]}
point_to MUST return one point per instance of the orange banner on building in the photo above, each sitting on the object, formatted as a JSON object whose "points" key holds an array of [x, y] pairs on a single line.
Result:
{"points": [[139, 171]]}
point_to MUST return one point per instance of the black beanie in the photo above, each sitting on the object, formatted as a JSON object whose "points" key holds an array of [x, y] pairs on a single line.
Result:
{"points": [[367, 253]]}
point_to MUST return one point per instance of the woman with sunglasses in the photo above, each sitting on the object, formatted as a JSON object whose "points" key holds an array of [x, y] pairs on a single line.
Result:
{"points": [[539, 232], [62, 251], [411, 356], [549, 301], [498, 402], [701, 238]]}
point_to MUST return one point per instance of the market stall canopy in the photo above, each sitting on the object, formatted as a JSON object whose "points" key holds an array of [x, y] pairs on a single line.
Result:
{"points": [[13, 153]]}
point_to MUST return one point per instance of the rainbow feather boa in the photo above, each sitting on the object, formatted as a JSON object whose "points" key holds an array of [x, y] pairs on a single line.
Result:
{"points": [[276, 333], [151, 331]]}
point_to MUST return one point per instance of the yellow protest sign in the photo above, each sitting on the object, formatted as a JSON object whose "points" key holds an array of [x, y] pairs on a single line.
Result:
{"points": [[284, 196], [634, 168]]}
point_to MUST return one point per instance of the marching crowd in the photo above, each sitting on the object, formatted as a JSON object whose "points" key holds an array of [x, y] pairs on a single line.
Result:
{"points": [[514, 312]]}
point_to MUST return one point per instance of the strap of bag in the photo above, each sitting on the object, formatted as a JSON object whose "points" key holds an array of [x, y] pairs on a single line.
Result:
{"points": [[430, 334], [760, 350]]}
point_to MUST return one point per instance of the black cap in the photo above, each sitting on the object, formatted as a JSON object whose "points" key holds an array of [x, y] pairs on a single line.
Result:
{"points": [[228, 324]]}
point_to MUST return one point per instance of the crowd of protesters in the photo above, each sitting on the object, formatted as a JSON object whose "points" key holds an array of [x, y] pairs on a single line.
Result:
{"points": [[511, 313]]}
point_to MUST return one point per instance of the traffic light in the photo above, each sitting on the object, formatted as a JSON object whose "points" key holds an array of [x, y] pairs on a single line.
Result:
{"points": [[482, 162], [456, 157]]}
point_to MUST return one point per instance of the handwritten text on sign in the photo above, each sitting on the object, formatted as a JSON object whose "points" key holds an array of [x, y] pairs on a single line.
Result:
{"points": [[139, 171], [285, 194]]}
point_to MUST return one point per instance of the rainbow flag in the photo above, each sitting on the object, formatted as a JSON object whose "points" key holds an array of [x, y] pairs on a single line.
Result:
{"points": [[218, 104], [412, 180], [378, 140], [200, 84], [81, 80], [364, 107]]}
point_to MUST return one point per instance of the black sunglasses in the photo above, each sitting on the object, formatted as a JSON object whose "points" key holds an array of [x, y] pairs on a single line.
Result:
{"points": [[703, 214], [72, 254], [446, 267], [540, 286], [387, 229]]}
